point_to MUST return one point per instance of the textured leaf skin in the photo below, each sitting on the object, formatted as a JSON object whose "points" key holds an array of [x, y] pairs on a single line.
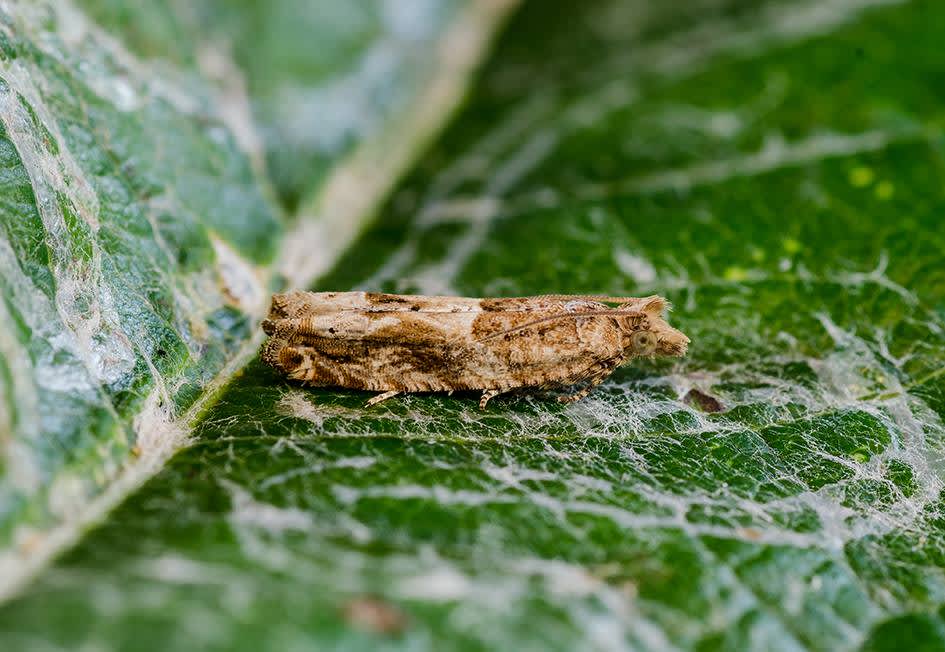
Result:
{"points": [[324, 76], [141, 227], [800, 239], [132, 232]]}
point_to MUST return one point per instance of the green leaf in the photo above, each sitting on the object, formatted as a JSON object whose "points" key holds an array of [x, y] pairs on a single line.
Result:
{"points": [[776, 170], [134, 239], [324, 77], [139, 237]]}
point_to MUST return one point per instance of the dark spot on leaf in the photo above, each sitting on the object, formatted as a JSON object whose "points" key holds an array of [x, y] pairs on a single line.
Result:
{"points": [[374, 615], [702, 401]]}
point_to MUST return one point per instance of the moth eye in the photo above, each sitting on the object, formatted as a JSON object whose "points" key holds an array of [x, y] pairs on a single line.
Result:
{"points": [[643, 343]]}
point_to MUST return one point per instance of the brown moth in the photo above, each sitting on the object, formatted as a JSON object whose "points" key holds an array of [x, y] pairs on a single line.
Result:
{"points": [[393, 344]]}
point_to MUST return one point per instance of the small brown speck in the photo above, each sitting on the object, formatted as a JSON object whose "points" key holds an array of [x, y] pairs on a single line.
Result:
{"points": [[30, 543], [375, 615], [749, 533], [701, 400], [136, 450]]}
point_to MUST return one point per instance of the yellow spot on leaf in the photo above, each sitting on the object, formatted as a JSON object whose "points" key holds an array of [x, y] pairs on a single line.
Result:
{"points": [[861, 176], [884, 190], [736, 274], [791, 245]]}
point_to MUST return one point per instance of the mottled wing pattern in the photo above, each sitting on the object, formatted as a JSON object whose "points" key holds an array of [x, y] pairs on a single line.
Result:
{"points": [[299, 303], [410, 343]]}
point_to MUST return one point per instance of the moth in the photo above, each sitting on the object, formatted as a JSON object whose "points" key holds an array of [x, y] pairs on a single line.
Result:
{"points": [[393, 344]]}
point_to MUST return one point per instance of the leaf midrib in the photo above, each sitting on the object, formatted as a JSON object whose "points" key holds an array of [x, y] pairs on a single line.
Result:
{"points": [[440, 96]]}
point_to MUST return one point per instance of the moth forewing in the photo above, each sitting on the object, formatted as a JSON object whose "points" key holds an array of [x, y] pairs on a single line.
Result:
{"points": [[409, 343]]}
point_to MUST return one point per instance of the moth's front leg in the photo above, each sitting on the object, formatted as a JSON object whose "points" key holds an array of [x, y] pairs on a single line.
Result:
{"points": [[593, 379], [577, 396]]}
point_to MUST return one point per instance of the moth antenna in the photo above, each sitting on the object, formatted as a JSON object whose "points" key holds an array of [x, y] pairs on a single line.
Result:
{"points": [[593, 297]]}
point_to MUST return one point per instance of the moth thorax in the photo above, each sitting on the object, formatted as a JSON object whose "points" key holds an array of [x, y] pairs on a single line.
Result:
{"points": [[643, 343]]}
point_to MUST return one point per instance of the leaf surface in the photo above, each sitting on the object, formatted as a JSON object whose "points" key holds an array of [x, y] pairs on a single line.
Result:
{"points": [[323, 77], [775, 170], [140, 234]]}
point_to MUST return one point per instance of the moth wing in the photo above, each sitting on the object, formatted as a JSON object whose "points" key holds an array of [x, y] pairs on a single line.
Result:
{"points": [[293, 305], [416, 329], [540, 319], [372, 302], [298, 304]]}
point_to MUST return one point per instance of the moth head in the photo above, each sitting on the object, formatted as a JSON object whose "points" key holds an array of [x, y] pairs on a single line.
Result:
{"points": [[646, 333]]}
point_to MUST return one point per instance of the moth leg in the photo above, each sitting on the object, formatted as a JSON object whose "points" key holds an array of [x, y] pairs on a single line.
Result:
{"points": [[576, 396], [595, 379], [488, 395], [374, 400]]}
